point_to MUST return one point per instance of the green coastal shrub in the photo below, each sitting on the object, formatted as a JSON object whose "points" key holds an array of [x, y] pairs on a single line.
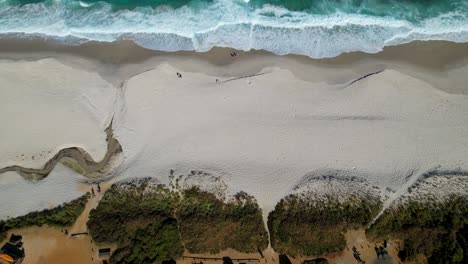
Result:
{"points": [[299, 226], [159, 241], [436, 230], [61, 216], [153, 223], [208, 224]]}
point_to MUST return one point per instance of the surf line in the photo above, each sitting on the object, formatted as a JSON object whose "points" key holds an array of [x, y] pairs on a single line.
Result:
{"points": [[88, 167]]}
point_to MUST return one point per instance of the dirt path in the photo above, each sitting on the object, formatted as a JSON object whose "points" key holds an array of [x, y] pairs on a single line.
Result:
{"points": [[80, 224], [50, 245]]}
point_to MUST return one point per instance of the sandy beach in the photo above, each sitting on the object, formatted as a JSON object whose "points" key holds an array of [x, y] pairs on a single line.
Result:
{"points": [[294, 116]]}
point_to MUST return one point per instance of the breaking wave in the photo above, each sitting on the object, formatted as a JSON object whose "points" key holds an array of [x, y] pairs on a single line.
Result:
{"points": [[317, 29]]}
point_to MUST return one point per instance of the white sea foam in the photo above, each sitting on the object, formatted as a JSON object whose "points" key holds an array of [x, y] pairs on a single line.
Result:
{"points": [[227, 23]]}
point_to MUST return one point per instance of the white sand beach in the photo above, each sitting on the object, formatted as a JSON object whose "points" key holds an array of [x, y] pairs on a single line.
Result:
{"points": [[261, 134], [22, 196], [47, 106]]}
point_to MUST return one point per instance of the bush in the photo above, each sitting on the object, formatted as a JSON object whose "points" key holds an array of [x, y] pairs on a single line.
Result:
{"points": [[151, 223], [302, 227], [208, 224], [436, 230], [159, 241], [62, 216]]}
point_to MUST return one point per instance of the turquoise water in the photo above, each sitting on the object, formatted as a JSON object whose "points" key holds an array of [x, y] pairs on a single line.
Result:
{"points": [[317, 28]]}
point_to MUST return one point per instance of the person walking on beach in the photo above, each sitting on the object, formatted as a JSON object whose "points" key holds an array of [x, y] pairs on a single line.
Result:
{"points": [[382, 252], [92, 191], [98, 188]]}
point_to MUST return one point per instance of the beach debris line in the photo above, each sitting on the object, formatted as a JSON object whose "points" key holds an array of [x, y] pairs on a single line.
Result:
{"points": [[82, 162], [243, 77], [363, 77]]}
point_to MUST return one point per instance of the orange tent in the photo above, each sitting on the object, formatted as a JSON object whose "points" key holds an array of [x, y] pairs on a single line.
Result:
{"points": [[6, 258]]}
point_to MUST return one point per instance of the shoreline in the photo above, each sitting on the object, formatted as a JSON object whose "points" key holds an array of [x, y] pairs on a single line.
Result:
{"points": [[431, 53], [424, 60]]}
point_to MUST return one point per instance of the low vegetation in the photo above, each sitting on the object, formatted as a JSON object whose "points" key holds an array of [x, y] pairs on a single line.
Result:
{"points": [[149, 222], [207, 224], [158, 241], [299, 226], [61, 216], [436, 231]]}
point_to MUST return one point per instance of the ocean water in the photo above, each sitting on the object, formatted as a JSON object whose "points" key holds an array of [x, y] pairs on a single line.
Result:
{"points": [[317, 28]]}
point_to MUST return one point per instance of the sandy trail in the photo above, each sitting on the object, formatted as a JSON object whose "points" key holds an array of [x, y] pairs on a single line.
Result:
{"points": [[80, 224], [50, 245]]}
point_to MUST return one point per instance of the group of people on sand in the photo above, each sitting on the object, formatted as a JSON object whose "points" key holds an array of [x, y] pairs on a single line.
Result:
{"points": [[98, 190], [381, 250], [233, 54], [357, 256]]}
